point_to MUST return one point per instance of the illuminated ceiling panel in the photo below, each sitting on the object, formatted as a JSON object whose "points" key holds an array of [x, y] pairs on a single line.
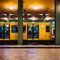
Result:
{"points": [[39, 5], [9, 4]]}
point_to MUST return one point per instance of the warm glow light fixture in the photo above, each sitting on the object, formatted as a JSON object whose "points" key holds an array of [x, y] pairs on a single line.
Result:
{"points": [[4, 18], [11, 7], [49, 18], [16, 18], [33, 18], [36, 7]]}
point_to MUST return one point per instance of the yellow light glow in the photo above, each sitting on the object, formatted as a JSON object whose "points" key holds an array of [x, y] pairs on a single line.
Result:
{"points": [[23, 18], [28, 14], [11, 14], [4, 18], [47, 14], [37, 4], [42, 25], [36, 7], [33, 18], [16, 18], [11, 7], [40, 14], [49, 18]]}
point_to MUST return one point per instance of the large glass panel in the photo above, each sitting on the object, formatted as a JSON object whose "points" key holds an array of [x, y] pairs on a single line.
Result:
{"points": [[15, 29], [30, 29], [1, 31], [8, 17], [24, 28], [33, 31], [36, 35], [6, 31], [36, 29]]}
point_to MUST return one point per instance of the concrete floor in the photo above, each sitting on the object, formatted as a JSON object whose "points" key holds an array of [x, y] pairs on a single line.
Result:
{"points": [[29, 53]]}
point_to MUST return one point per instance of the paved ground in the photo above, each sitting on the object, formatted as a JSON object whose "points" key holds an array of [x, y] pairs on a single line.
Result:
{"points": [[29, 53]]}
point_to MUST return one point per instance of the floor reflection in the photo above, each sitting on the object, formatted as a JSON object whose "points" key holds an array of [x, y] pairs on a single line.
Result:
{"points": [[30, 54]]}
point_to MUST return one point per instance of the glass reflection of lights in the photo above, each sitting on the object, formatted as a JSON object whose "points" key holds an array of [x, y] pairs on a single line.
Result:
{"points": [[40, 14], [11, 14], [11, 7], [11, 19], [7, 25], [47, 14], [49, 18], [42, 25], [5, 18], [33, 18], [32, 54], [6, 52], [53, 22], [28, 14], [23, 18], [16, 18]]}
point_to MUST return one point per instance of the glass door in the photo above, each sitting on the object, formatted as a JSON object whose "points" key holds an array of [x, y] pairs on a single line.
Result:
{"points": [[6, 32], [32, 32], [1, 32], [36, 31]]}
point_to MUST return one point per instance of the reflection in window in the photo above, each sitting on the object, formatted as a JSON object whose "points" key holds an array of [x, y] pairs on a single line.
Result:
{"points": [[30, 29], [35, 29], [47, 29], [24, 28], [15, 28]]}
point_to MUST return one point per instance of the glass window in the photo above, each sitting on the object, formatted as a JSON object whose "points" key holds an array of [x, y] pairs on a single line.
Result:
{"points": [[24, 28], [6, 29], [35, 29], [15, 28], [30, 29], [1, 29], [47, 28]]}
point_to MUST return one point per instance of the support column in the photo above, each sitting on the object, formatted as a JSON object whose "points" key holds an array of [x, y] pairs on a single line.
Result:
{"points": [[58, 22], [20, 22]]}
